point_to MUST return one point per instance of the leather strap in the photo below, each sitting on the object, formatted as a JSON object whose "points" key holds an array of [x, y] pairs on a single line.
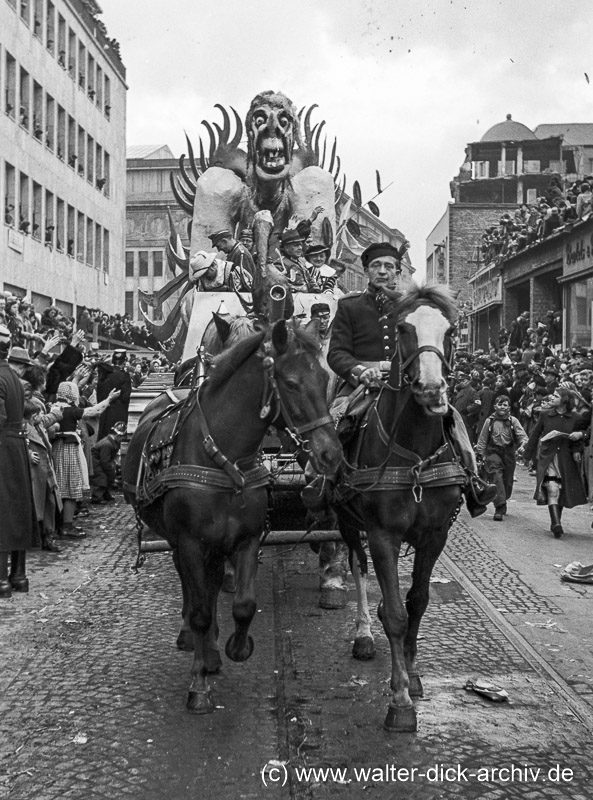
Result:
{"points": [[189, 476]]}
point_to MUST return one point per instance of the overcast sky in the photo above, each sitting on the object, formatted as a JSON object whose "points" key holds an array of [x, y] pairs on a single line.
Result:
{"points": [[404, 85]]}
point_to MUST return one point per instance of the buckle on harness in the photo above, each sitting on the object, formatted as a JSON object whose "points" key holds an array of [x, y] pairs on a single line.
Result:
{"points": [[417, 492]]}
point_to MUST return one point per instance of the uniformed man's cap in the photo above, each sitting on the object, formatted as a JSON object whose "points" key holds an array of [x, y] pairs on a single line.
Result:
{"points": [[216, 237], [320, 308], [377, 250], [316, 249], [119, 428], [119, 356], [291, 235]]}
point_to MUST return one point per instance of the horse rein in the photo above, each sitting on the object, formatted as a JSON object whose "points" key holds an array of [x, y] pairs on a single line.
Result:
{"points": [[273, 397], [404, 385]]}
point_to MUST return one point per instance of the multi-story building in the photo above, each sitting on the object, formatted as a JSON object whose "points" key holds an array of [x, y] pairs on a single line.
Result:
{"points": [[150, 201], [62, 159], [509, 166]]}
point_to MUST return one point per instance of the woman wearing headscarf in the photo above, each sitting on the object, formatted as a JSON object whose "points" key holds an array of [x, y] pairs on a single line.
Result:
{"points": [[46, 496], [560, 433], [69, 461]]}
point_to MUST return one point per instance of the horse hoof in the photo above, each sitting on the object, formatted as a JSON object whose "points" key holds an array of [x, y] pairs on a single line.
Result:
{"points": [[401, 719], [415, 689], [200, 702], [363, 648], [238, 655], [332, 597], [185, 641], [228, 584]]}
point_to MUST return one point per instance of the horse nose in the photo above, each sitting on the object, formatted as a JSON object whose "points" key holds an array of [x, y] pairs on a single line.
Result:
{"points": [[429, 388], [328, 457]]}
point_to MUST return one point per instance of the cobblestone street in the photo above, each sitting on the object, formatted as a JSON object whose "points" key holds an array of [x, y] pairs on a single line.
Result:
{"points": [[93, 688]]}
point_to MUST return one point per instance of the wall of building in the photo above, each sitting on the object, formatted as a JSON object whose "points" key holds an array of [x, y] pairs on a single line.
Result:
{"points": [[62, 94], [453, 246]]}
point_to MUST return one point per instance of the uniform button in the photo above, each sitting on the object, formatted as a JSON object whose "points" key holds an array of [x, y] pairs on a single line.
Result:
{"points": [[386, 337]]}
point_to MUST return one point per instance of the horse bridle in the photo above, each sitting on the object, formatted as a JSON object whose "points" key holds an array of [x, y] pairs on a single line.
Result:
{"points": [[403, 377], [273, 397]]}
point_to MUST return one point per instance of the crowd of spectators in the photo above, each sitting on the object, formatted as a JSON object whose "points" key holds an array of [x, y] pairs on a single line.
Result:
{"points": [[553, 211], [33, 330], [27, 324], [528, 373]]}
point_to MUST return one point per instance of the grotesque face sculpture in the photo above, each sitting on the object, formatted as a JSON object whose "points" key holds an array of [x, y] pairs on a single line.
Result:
{"points": [[273, 131]]}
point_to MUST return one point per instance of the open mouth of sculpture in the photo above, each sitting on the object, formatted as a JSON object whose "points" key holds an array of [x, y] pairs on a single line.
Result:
{"points": [[272, 157]]}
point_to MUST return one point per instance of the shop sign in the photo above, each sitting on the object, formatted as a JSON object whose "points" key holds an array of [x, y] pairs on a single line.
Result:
{"points": [[578, 254], [16, 240], [487, 292]]}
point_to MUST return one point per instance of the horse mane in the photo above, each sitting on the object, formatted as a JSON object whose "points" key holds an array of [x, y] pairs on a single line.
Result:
{"points": [[227, 363], [303, 338], [427, 294]]}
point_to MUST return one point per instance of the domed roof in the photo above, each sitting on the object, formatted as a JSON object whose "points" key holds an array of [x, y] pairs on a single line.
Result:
{"points": [[508, 131]]}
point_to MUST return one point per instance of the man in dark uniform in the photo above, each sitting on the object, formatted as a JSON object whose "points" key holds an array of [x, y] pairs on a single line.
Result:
{"points": [[363, 343], [239, 256], [113, 376], [292, 263], [16, 494]]}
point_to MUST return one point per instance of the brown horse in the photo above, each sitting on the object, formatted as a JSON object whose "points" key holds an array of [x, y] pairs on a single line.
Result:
{"points": [[405, 487], [210, 501]]}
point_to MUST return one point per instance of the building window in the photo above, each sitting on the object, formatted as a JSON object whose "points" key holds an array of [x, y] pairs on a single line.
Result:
{"points": [[157, 263], [129, 304], [49, 225], [50, 28], [60, 225], [36, 216], [98, 245], [10, 89], [143, 263], [9, 194], [24, 209], [71, 232], [129, 263], [90, 245], [80, 230], [50, 121], [106, 251], [24, 99]]}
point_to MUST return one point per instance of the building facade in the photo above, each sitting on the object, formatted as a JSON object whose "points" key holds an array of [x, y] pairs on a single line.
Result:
{"points": [[62, 159], [150, 203], [510, 166]]}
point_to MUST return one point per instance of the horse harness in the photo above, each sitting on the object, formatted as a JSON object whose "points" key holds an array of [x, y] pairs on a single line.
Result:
{"points": [[430, 472], [156, 474]]}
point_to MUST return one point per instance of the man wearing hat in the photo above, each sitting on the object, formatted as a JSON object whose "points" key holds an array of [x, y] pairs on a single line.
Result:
{"points": [[113, 376], [246, 239], [16, 495], [19, 359], [292, 263], [242, 266], [363, 342]]}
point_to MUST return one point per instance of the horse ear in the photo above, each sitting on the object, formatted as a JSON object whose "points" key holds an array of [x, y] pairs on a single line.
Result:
{"points": [[280, 337], [222, 326]]}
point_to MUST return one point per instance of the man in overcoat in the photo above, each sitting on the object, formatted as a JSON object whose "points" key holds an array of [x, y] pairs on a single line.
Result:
{"points": [[114, 376], [363, 342], [16, 496]]}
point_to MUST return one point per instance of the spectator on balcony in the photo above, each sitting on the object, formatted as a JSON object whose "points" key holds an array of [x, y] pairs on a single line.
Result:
{"points": [[584, 201]]}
